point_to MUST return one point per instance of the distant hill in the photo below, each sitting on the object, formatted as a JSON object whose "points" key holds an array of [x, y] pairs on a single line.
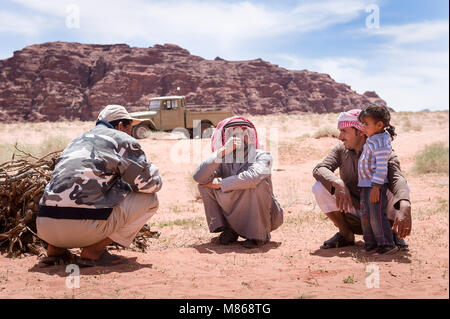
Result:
{"points": [[61, 80]]}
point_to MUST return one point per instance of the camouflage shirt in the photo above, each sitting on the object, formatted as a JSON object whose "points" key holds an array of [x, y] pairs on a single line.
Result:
{"points": [[98, 169]]}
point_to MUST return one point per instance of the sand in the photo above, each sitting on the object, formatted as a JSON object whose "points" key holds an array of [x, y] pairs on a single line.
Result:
{"points": [[185, 262]]}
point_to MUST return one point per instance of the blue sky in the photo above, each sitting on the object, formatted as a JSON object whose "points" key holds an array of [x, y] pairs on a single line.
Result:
{"points": [[404, 59]]}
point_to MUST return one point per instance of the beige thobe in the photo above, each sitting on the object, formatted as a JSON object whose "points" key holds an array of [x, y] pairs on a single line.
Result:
{"points": [[245, 201]]}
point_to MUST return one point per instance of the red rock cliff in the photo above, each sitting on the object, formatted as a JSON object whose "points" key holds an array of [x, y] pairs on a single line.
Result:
{"points": [[59, 80]]}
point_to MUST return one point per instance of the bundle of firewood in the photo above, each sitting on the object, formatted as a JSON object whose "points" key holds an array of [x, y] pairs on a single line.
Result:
{"points": [[22, 183]]}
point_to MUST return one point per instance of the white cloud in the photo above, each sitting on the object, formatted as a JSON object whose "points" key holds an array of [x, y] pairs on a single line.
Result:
{"points": [[198, 24], [412, 33], [22, 24], [407, 80], [403, 69]]}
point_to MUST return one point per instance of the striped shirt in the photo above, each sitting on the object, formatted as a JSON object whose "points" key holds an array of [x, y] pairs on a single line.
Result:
{"points": [[373, 162]]}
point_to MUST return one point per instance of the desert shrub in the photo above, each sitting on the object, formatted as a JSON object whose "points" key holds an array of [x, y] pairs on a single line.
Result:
{"points": [[302, 138], [315, 122], [50, 144], [282, 118], [349, 280], [326, 132], [408, 126], [433, 159]]}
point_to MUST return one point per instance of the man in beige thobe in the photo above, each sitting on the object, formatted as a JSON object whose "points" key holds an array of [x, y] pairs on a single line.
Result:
{"points": [[236, 187]]}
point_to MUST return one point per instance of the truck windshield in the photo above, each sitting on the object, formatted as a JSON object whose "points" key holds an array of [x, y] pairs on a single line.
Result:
{"points": [[154, 105]]}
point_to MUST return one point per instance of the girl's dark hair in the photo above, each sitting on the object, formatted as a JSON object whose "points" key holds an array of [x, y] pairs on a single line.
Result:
{"points": [[379, 113], [125, 122]]}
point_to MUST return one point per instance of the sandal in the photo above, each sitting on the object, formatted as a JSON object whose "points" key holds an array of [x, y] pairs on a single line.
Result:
{"points": [[369, 248], [401, 243], [253, 243], [65, 258], [227, 237], [337, 241], [386, 250], [106, 259]]}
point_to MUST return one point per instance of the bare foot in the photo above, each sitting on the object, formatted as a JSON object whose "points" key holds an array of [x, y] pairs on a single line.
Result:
{"points": [[91, 254], [94, 251], [55, 251]]}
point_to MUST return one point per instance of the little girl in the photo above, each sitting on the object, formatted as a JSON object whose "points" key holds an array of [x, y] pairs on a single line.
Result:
{"points": [[373, 179]]}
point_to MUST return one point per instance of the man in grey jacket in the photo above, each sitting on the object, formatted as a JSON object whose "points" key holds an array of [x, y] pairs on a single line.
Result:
{"points": [[236, 187], [102, 190]]}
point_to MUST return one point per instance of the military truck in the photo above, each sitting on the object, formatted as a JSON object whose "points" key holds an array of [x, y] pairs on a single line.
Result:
{"points": [[171, 112]]}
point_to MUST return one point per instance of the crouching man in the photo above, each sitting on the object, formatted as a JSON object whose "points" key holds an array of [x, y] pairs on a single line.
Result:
{"points": [[338, 197], [236, 186], [102, 190]]}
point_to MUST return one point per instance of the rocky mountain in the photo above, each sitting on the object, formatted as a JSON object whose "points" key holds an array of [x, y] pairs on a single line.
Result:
{"points": [[60, 80]]}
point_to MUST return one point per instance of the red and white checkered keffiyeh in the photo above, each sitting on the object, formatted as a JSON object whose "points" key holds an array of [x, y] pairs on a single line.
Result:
{"points": [[222, 134], [350, 119]]}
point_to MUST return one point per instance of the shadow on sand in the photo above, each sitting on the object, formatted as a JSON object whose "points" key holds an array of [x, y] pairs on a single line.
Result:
{"points": [[215, 247], [129, 265], [357, 253]]}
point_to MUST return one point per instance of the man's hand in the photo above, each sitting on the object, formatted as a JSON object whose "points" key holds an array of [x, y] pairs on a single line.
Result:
{"points": [[230, 145], [215, 184], [403, 223], [374, 196], [343, 197]]}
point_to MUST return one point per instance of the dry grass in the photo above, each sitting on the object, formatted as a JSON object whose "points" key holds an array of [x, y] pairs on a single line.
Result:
{"points": [[327, 131], [49, 145], [349, 280], [439, 207], [433, 159], [408, 126], [302, 153], [184, 223]]}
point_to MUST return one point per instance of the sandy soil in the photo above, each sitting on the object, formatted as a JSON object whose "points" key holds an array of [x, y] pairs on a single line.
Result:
{"points": [[184, 262]]}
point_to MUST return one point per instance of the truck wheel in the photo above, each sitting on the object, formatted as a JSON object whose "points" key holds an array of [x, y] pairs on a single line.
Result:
{"points": [[206, 130], [141, 131]]}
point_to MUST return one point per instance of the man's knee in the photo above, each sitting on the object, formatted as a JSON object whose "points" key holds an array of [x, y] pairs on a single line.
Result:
{"points": [[318, 189], [325, 201], [154, 206], [205, 191], [140, 203], [263, 187], [320, 192], [152, 202]]}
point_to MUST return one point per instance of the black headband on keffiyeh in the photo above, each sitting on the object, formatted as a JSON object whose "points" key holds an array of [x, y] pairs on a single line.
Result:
{"points": [[237, 123]]}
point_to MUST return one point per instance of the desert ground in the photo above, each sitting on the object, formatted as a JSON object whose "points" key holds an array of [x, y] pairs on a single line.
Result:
{"points": [[185, 262]]}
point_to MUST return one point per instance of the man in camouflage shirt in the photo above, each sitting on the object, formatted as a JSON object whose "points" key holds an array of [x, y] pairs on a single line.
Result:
{"points": [[102, 190]]}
